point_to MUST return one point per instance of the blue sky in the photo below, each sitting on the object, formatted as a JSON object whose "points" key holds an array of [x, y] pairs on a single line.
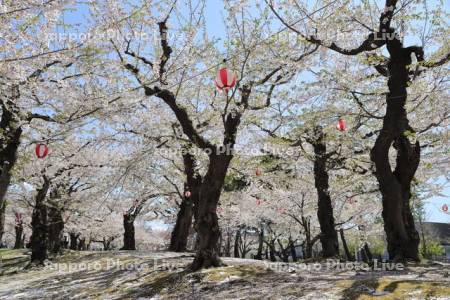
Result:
{"points": [[216, 28]]}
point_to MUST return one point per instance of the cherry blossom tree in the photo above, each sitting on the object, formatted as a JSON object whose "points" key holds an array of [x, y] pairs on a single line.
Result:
{"points": [[395, 185]]}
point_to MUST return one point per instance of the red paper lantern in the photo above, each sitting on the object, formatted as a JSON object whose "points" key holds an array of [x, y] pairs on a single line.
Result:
{"points": [[41, 150], [187, 194], [445, 207], [258, 172], [341, 125], [225, 79]]}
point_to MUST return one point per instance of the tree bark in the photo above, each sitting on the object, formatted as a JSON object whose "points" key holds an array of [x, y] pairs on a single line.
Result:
{"points": [[395, 186], [9, 143], [39, 224], [129, 242], [180, 233], [55, 229], [328, 236], [206, 221]]}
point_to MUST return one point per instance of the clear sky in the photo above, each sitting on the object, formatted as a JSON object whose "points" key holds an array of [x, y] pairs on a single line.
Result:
{"points": [[214, 21]]}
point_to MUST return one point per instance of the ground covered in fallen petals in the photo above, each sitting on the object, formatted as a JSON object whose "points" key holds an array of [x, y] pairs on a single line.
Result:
{"points": [[162, 275]]}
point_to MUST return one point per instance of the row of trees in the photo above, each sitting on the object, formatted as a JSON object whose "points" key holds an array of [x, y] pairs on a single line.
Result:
{"points": [[137, 130]]}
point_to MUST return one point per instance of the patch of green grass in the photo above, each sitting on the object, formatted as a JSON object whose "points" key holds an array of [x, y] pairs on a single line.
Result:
{"points": [[389, 289], [241, 271], [12, 253], [13, 260]]}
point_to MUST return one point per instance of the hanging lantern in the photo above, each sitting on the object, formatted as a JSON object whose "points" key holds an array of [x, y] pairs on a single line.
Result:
{"points": [[225, 79], [41, 150], [258, 172], [187, 194], [258, 201], [341, 125], [445, 208]]}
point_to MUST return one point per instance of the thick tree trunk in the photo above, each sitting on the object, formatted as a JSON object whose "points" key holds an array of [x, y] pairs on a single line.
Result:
{"points": [[11, 130], [19, 243], [206, 221], [39, 228], [55, 230], [129, 242], [348, 255], [395, 186], [328, 236], [8, 157]]}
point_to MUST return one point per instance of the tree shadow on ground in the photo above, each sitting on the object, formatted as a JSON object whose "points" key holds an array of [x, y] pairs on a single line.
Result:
{"points": [[81, 283], [169, 281]]}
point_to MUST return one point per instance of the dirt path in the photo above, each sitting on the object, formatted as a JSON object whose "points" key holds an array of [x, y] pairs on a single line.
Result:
{"points": [[160, 275]]}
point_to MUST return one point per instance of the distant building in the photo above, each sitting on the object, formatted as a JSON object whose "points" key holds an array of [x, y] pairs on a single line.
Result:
{"points": [[440, 231]]}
